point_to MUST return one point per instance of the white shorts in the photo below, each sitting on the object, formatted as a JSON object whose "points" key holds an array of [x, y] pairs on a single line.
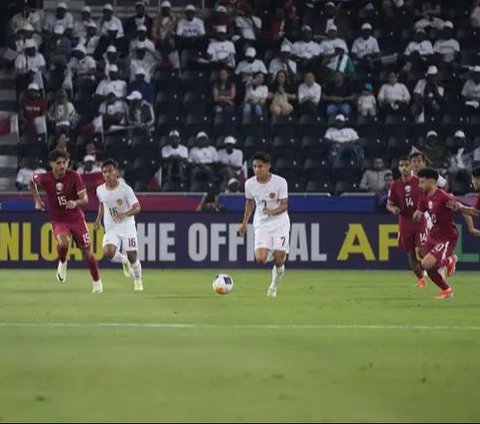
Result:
{"points": [[123, 242], [272, 240]]}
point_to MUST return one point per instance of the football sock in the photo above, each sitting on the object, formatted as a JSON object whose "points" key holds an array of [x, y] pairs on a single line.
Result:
{"points": [[437, 279], [62, 253], [277, 274], [418, 272], [118, 257], [137, 270], [446, 261], [93, 266]]}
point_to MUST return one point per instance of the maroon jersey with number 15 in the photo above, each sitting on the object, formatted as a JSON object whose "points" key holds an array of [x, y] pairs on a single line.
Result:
{"points": [[59, 192]]}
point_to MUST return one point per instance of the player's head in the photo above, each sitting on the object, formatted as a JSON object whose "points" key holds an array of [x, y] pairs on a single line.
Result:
{"points": [[418, 161], [262, 164], [59, 162], [110, 171], [476, 178], [428, 179], [405, 166]]}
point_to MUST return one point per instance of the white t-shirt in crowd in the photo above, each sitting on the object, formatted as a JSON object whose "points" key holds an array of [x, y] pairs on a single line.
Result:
{"points": [[256, 93], [306, 50], [362, 47], [393, 93], [245, 25], [113, 22], [25, 175], [425, 48], [247, 69], [268, 195], [312, 93], [447, 48], [420, 88], [222, 51], [113, 109], [235, 159], [190, 29], [341, 135], [327, 47], [51, 21], [180, 150], [204, 155], [471, 90], [119, 87], [120, 199]]}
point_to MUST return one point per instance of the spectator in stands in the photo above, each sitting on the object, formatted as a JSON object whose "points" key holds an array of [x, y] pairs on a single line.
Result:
{"points": [[393, 97], [62, 115], [91, 174], [340, 62], [112, 37], [89, 165], [112, 84], [436, 150], [163, 30], [471, 92], [26, 172], [221, 52], [203, 157], [250, 66], [110, 23], [92, 39], [140, 112], [233, 186], [61, 18], [365, 49], [283, 63], [143, 60], [219, 19], [331, 47], [475, 15], [32, 111], [461, 153], [175, 157], [144, 87], [306, 51], [29, 65], [428, 95], [58, 48], [231, 160], [190, 30], [110, 58], [339, 95], [419, 52], [446, 47], [281, 96], [381, 197], [248, 26], [113, 111], [366, 103], [255, 96], [141, 18], [82, 67], [26, 35], [141, 39], [344, 143], [373, 180], [224, 94], [80, 26], [26, 15], [428, 14], [309, 95], [62, 143]]}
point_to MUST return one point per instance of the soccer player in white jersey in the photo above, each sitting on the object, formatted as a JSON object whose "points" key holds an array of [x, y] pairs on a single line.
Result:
{"points": [[118, 206], [267, 193]]}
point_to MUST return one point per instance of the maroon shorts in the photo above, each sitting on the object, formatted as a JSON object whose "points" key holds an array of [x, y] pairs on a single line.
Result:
{"points": [[77, 229], [410, 240], [440, 249]]}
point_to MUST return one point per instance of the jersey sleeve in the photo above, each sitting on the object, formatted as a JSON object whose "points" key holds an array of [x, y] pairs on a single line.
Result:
{"points": [[79, 184], [99, 194], [392, 196], [39, 179], [131, 198], [422, 203], [283, 190], [248, 191]]}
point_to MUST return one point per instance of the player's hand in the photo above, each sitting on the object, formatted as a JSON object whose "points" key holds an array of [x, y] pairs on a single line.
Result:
{"points": [[268, 212], [454, 205], [71, 204], [475, 232], [119, 217], [96, 225], [242, 230], [395, 210], [39, 206]]}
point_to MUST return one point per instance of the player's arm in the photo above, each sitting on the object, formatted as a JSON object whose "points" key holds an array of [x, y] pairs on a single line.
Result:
{"points": [[249, 208], [282, 207], [39, 205], [470, 225], [392, 208], [468, 211], [81, 201], [134, 210], [101, 212]]}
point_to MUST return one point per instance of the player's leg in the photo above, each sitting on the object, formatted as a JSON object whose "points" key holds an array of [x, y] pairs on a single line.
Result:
{"points": [[262, 255], [136, 269], [62, 234], [111, 249], [413, 262], [407, 242], [82, 240], [280, 250]]}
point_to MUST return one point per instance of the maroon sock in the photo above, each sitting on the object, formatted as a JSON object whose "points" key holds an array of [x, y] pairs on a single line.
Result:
{"points": [[445, 262], [437, 279], [93, 266], [418, 270], [62, 253]]}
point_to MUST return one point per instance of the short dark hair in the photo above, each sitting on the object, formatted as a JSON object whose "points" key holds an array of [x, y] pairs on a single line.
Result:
{"points": [[417, 154], [112, 162], [428, 173], [476, 172], [403, 159], [54, 155], [263, 156]]}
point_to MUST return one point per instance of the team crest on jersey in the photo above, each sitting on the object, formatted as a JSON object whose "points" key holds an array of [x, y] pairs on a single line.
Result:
{"points": [[119, 202], [430, 205], [272, 195], [59, 186], [408, 189]]}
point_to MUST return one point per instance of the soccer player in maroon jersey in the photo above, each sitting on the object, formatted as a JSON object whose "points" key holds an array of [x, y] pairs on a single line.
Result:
{"points": [[467, 211], [66, 193], [442, 238], [402, 200]]}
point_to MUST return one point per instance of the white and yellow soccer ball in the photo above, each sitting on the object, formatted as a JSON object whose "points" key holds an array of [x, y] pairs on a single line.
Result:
{"points": [[222, 284]]}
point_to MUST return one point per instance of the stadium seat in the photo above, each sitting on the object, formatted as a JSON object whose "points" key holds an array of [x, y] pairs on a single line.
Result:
{"points": [[200, 186], [375, 147], [286, 146], [195, 82], [398, 146], [166, 123], [168, 104], [196, 123], [314, 147], [194, 103], [346, 171], [314, 186], [144, 168], [253, 127], [144, 146], [172, 186], [317, 170], [311, 126], [346, 187], [116, 146], [286, 126], [225, 126], [254, 144]]}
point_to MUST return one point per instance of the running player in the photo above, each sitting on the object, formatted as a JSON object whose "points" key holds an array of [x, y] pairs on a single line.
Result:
{"points": [[442, 238], [66, 193], [118, 206], [267, 194], [402, 200]]}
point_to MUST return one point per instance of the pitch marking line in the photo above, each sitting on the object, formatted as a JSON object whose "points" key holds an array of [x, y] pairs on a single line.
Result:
{"points": [[242, 326]]}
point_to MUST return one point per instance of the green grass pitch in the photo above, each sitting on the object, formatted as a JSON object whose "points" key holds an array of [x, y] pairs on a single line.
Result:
{"points": [[334, 346]]}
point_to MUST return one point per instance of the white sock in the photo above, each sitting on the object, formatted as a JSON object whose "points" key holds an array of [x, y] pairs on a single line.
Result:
{"points": [[118, 257], [277, 274], [137, 270]]}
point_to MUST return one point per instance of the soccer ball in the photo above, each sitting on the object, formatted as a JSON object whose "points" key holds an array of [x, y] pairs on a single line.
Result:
{"points": [[222, 284]]}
